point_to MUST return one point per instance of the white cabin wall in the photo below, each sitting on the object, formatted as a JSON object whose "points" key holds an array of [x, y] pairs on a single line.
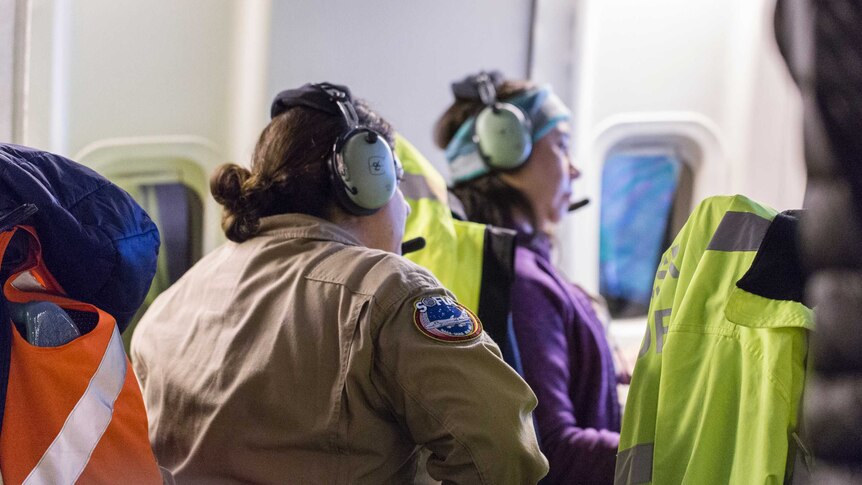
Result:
{"points": [[651, 56], [554, 53], [772, 168], [400, 56], [13, 55], [247, 89], [116, 80], [161, 66], [37, 102], [122, 68], [713, 63], [105, 69]]}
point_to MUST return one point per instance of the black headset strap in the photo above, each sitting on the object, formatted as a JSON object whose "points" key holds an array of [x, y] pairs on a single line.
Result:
{"points": [[487, 91], [345, 104]]}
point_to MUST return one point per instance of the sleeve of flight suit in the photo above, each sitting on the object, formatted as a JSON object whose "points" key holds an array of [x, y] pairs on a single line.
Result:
{"points": [[459, 399]]}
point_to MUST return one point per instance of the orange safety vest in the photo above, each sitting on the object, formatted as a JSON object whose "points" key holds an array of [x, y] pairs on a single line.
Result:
{"points": [[74, 413]]}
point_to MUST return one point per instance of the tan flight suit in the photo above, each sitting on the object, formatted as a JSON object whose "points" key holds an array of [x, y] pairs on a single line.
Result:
{"points": [[294, 358]]}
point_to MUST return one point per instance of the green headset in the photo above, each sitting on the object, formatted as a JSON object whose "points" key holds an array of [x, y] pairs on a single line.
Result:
{"points": [[502, 131], [362, 167]]}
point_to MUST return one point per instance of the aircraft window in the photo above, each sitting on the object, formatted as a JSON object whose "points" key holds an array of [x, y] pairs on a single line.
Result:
{"points": [[176, 209], [639, 189]]}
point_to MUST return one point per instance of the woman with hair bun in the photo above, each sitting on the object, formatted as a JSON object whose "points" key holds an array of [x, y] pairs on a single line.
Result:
{"points": [[306, 349], [507, 143]]}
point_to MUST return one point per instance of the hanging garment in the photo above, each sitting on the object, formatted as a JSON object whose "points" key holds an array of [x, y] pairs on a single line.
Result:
{"points": [[73, 412], [99, 243], [102, 249], [716, 390]]}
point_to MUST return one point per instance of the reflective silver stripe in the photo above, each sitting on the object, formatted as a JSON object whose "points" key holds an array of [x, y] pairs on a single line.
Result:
{"points": [[634, 465], [660, 328], [70, 452], [416, 187], [739, 231]]}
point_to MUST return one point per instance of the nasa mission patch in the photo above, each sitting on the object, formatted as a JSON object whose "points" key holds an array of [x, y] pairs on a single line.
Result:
{"points": [[442, 318]]}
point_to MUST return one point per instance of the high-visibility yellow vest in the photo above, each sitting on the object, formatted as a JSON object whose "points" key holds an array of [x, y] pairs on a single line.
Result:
{"points": [[474, 261], [716, 391]]}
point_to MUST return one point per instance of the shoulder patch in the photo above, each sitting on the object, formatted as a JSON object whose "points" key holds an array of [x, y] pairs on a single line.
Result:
{"points": [[441, 318]]}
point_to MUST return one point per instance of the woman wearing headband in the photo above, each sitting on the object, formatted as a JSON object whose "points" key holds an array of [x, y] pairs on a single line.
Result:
{"points": [[508, 143], [305, 350]]}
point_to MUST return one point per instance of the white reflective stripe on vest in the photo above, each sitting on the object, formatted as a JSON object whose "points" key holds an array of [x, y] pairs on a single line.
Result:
{"points": [[70, 451]]}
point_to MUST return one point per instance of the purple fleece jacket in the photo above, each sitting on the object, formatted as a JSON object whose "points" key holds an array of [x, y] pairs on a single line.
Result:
{"points": [[568, 363]]}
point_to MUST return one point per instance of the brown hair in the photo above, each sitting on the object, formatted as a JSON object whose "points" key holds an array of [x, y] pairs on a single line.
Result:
{"points": [[486, 199], [288, 170]]}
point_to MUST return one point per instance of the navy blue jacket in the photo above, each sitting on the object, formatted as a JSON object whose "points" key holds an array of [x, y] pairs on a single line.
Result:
{"points": [[97, 241]]}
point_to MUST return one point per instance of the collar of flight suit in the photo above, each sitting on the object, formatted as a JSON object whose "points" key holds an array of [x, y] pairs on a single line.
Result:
{"points": [[303, 226]]}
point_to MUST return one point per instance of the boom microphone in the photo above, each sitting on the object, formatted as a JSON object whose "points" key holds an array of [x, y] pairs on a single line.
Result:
{"points": [[577, 205], [412, 245]]}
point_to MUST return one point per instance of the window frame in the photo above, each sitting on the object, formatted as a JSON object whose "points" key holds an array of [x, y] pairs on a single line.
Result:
{"points": [[153, 155]]}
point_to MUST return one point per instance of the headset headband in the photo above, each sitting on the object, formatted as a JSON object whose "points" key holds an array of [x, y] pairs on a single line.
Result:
{"points": [[311, 96], [486, 89], [341, 97], [468, 88], [362, 168]]}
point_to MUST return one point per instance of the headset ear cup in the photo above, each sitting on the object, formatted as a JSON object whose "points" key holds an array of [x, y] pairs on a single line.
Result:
{"points": [[504, 136], [363, 171], [339, 177]]}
